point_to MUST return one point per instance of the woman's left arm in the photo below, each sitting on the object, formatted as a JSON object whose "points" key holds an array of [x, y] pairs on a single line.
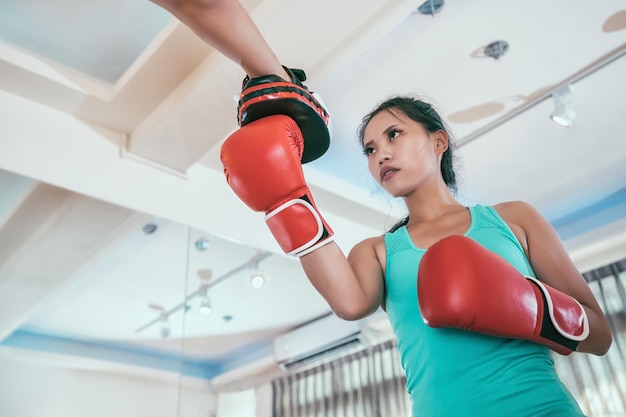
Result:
{"points": [[553, 265]]}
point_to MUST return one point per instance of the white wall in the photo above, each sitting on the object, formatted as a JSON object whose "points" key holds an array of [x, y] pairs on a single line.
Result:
{"points": [[43, 385]]}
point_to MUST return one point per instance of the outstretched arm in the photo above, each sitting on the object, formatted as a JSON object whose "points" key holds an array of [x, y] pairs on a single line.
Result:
{"points": [[226, 25], [352, 286]]}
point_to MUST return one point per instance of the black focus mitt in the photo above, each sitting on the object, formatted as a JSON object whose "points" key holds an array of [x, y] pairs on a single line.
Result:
{"points": [[269, 95]]}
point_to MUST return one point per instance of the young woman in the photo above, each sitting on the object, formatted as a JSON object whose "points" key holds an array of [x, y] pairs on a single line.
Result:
{"points": [[476, 261], [486, 348], [451, 372]]}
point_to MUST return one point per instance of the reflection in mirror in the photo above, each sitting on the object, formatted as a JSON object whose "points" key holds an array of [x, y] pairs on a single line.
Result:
{"points": [[238, 329], [110, 304], [78, 277]]}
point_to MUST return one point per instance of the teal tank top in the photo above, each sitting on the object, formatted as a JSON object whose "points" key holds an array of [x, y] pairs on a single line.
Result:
{"points": [[453, 372]]}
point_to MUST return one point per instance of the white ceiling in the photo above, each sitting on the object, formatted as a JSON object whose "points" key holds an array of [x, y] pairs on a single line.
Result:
{"points": [[112, 114]]}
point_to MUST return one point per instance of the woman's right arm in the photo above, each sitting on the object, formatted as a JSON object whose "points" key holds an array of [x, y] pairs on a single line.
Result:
{"points": [[353, 286]]}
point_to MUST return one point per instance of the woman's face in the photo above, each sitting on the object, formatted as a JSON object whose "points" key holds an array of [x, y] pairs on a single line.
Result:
{"points": [[401, 153]]}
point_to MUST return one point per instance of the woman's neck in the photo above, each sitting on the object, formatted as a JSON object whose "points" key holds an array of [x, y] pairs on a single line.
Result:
{"points": [[430, 203]]}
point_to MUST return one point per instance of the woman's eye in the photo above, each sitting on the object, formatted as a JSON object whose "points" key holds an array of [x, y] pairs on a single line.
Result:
{"points": [[368, 151], [393, 134]]}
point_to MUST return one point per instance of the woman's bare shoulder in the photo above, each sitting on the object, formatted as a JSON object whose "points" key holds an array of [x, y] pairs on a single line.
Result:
{"points": [[517, 212], [368, 245], [520, 216], [373, 247], [513, 207]]}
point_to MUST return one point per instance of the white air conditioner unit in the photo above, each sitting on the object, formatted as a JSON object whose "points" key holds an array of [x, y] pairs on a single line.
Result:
{"points": [[318, 341]]}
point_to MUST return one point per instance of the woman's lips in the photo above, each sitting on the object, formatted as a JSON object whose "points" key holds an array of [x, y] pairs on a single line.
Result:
{"points": [[387, 173]]}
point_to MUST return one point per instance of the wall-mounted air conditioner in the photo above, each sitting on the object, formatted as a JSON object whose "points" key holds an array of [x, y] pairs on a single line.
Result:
{"points": [[323, 339], [311, 344]]}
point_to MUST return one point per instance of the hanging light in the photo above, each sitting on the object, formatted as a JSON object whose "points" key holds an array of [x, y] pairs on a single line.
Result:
{"points": [[164, 331], [257, 280], [206, 282], [205, 307], [563, 113]]}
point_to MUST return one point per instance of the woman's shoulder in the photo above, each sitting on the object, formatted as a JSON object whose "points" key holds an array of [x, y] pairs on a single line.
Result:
{"points": [[523, 218], [373, 246], [370, 243], [520, 216], [514, 209]]}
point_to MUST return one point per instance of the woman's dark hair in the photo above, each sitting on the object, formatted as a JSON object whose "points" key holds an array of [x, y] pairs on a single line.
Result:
{"points": [[425, 114]]}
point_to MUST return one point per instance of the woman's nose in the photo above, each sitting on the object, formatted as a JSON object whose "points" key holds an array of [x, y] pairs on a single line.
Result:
{"points": [[383, 155]]}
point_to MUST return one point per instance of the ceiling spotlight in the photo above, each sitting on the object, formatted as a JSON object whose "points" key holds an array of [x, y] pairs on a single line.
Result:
{"points": [[257, 280], [205, 307], [430, 7], [563, 114]]}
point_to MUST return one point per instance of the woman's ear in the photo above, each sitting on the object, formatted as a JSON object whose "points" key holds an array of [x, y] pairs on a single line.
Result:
{"points": [[441, 141]]}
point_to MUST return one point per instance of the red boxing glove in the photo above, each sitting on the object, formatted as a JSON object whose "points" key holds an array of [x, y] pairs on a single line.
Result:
{"points": [[262, 166], [462, 284]]}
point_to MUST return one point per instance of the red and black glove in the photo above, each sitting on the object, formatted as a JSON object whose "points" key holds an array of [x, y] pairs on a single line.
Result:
{"points": [[262, 166], [461, 284], [270, 95]]}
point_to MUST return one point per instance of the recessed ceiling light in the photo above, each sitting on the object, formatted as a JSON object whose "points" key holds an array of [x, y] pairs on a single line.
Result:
{"points": [[496, 49], [202, 244], [430, 7], [149, 228]]}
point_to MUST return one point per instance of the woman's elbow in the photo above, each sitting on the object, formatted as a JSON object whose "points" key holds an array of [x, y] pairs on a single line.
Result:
{"points": [[598, 343], [604, 344], [353, 310]]}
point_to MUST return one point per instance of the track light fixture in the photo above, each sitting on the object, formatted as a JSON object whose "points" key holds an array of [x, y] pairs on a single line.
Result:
{"points": [[205, 307], [206, 282], [257, 280], [164, 331], [563, 113], [205, 304]]}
